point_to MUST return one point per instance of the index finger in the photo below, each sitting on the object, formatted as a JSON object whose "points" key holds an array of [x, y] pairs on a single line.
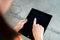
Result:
{"points": [[34, 22]]}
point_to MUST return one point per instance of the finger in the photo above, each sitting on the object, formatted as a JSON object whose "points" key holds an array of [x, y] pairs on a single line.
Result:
{"points": [[34, 22], [23, 21]]}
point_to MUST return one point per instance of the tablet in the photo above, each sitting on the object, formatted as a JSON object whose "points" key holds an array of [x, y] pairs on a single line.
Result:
{"points": [[42, 19]]}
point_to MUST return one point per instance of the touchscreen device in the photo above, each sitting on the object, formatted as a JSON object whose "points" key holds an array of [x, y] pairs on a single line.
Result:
{"points": [[42, 19]]}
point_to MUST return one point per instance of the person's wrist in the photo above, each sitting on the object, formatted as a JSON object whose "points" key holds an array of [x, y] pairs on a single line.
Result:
{"points": [[39, 38]]}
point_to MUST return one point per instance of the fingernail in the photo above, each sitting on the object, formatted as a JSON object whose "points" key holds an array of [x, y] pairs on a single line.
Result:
{"points": [[26, 19], [35, 18], [34, 22]]}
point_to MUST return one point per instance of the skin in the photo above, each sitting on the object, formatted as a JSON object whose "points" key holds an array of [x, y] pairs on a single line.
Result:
{"points": [[4, 5], [37, 29], [20, 25]]}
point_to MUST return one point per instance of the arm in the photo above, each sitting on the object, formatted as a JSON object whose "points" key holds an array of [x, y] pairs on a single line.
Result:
{"points": [[4, 5]]}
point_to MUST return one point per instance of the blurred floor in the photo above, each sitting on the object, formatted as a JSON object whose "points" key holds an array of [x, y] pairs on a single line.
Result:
{"points": [[21, 8]]}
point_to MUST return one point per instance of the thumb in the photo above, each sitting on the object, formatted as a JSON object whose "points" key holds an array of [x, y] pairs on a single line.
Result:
{"points": [[20, 25], [22, 22]]}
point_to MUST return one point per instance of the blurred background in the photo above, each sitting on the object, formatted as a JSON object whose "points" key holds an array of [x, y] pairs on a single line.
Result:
{"points": [[20, 9]]}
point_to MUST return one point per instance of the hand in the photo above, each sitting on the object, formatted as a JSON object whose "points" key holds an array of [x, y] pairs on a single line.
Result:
{"points": [[37, 31], [20, 25]]}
